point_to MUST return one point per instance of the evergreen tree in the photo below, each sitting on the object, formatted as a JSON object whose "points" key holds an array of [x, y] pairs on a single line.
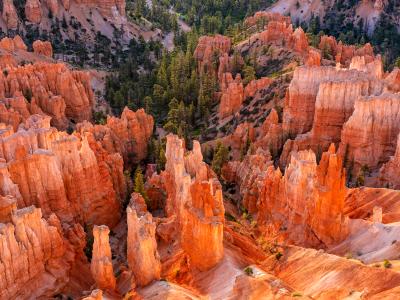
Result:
{"points": [[249, 74], [148, 105], [172, 123], [221, 156], [162, 75], [139, 185], [161, 159]]}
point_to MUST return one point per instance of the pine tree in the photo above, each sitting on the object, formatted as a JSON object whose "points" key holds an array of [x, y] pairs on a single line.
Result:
{"points": [[221, 156], [236, 63], [148, 104], [172, 123], [249, 74], [162, 74], [139, 185], [161, 160]]}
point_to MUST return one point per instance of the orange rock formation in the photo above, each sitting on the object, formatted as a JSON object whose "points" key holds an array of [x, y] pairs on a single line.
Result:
{"points": [[308, 200], [10, 14], [143, 257], [369, 136], [43, 48], [195, 202], [52, 89], [344, 53], [234, 92], [33, 11], [108, 8], [62, 174], [208, 47], [101, 264], [263, 17], [128, 135], [33, 259]]}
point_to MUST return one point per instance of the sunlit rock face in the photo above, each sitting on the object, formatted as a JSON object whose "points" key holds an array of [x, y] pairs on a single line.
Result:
{"points": [[43, 88], [312, 89], [369, 137], [33, 261], [62, 174], [308, 201], [43, 48], [143, 257], [195, 201], [101, 264]]}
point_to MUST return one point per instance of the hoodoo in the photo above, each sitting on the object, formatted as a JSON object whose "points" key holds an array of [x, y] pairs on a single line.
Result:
{"points": [[184, 150]]}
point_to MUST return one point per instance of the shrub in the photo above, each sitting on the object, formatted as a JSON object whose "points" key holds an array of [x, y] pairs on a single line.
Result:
{"points": [[297, 294], [278, 255], [387, 264], [249, 271]]}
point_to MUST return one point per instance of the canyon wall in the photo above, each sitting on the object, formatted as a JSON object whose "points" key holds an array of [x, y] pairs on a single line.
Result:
{"points": [[301, 102], [35, 9]]}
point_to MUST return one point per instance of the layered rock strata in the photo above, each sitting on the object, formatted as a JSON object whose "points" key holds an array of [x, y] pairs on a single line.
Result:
{"points": [[311, 87]]}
